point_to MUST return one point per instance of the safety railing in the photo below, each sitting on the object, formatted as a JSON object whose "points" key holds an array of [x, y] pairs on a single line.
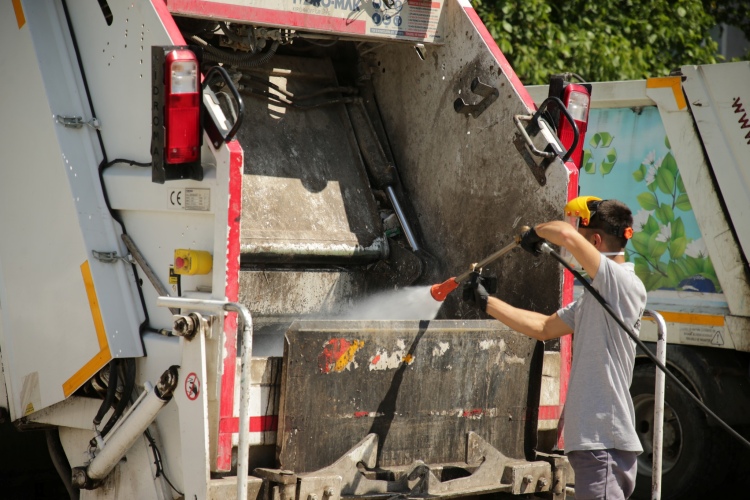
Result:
{"points": [[661, 355]]}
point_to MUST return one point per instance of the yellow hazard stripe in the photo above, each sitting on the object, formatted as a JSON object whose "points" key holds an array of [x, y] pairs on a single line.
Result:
{"points": [[20, 17], [101, 358], [691, 319], [673, 82]]}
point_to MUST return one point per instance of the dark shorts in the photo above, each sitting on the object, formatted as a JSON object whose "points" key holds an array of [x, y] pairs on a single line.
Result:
{"points": [[604, 474]]}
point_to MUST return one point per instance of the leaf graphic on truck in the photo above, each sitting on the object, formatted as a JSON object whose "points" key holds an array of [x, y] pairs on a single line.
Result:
{"points": [[667, 247], [600, 140], [664, 256]]}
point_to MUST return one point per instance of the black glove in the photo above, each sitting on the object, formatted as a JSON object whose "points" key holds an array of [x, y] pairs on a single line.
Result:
{"points": [[531, 242], [474, 292]]}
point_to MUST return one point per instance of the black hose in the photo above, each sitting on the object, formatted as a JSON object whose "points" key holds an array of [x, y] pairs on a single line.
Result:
{"points": [[547, 249], [249, 60], [104, 165], [60, 461], [124, 398], [111, 390], [267, 55], [234, 37], [300, 97], [281, 101]]}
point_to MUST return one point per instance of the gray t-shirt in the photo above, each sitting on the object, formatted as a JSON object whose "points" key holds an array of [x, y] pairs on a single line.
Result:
{"points": [[599, 411]]}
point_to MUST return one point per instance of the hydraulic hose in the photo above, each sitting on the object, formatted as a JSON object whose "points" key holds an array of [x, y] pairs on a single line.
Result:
{"points": [[234, 37], [249, 60], [545, 248], [111, 390], [124, 398]]}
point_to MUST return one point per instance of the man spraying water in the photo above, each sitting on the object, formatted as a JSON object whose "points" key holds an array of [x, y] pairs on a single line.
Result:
{"points": [[600, 439]]}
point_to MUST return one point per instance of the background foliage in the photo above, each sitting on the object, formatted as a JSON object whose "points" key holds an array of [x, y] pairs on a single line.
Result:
{"points": [[607, 39]]}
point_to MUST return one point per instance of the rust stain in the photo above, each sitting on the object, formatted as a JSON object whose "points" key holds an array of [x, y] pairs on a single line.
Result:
{"points": [[408, 359], [473, 412], [360, 414], [376, 359]]}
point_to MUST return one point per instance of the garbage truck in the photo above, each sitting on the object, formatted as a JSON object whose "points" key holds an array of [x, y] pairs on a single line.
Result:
{"points": [[675, 149], [196, 197]]}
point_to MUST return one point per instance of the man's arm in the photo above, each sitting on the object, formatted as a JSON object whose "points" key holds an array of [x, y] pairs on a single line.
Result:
{"points": [[530, 323], [563, 234]]}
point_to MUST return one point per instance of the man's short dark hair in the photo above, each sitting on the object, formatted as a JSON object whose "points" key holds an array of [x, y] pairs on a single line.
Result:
{"points": [[611, 219]]}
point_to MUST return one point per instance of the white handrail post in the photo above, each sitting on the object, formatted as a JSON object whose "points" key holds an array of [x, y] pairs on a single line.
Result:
{"points": [[659, 389]]}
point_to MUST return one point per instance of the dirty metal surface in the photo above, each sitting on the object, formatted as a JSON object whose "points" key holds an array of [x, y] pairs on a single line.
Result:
{"points": [[419, 385], [306, 196], [469, 188]]}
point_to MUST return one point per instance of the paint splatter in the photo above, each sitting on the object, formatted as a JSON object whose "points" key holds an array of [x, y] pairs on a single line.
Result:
{"points": [[440, 349], [338, 355], [383, 360], [474, 413]]}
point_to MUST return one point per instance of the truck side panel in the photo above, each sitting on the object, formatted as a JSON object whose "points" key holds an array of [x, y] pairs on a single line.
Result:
{"points": [[54, 217]]}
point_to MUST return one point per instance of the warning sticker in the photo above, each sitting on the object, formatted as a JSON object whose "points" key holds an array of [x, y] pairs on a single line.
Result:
{"points": [[702, 335], [398, 19], [192, 386]]}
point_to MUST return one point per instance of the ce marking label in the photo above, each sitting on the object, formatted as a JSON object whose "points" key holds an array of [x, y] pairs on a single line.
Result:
{"points": [[175, 198], [198, 199]]}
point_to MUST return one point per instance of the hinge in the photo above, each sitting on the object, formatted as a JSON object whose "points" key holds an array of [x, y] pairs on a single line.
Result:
{"points": [[109, 257], [76, 122]]}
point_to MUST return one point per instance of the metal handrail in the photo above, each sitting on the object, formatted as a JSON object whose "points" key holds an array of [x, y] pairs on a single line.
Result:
{"points": [[243, 447], [659, 389]]}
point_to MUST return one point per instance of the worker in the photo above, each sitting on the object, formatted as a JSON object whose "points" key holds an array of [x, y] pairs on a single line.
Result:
{"points": [[598, 419]]}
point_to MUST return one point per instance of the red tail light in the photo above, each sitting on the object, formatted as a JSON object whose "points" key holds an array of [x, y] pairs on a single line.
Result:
{"points": [[182, 107], [576, 98]]}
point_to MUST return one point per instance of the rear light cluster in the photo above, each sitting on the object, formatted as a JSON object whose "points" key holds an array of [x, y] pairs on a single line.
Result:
{"points": [[576, 98], [182, 107], [176, 109]]}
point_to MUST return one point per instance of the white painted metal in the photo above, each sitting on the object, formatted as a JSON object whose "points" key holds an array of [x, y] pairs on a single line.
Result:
{"points": [[76, 412], [192, 403], [118, 58], [245, 356], [53, 216], [719, 97], [134, 477], [659, 391], [164, 352], [695, 169], [121, 439]]}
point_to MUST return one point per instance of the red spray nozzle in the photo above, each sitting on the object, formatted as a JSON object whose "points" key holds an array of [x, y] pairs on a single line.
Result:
{"points": [[441, 291]]}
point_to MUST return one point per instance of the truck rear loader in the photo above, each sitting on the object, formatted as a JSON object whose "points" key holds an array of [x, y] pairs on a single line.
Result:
{"points": [[195, 193]]}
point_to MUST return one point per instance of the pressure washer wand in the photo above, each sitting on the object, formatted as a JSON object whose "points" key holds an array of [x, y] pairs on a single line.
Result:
{"points": [[440, 292]]}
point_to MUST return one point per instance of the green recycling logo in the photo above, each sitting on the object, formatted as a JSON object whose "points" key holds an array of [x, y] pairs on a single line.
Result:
{"points": [[600, 141]]}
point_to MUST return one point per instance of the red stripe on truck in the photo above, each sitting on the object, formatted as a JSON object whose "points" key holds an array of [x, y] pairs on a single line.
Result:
{"points": [[167, 20], [265, 423], [232, 289], [505, 66]]}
